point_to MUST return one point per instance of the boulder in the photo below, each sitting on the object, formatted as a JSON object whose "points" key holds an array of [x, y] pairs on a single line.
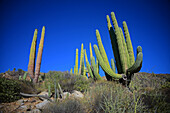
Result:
{"points": [[44, 93], [65, 95], [77, 94], [42, 104]]}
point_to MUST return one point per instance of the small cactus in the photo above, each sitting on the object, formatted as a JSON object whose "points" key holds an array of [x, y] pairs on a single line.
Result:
{"points": [[25, 76]]}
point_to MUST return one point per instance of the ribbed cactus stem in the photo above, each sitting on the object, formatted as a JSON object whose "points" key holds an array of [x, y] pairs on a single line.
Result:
{"points": [[126, 54], [39, 57], [81, 57], [82, 63], [88, 66], [138, 63], [31, 64], [113, 65], [129, 44], [71, 71], [114, 44], [91, 53], [96, 74], [105, 68], [119, 42], [97, 65], [76, 63], [101, 48]]}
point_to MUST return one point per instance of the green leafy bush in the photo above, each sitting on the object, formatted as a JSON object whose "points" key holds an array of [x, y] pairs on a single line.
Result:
{"points": [[9, 90]]}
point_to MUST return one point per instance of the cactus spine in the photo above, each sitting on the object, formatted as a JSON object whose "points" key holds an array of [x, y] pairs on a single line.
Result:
{"points": [[123, 52]]}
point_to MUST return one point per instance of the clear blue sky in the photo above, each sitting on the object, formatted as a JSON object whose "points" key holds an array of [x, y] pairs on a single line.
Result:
{"points": [[70, 23]]}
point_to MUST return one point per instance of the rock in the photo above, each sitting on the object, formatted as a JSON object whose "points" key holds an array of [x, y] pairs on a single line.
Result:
{"points": [[66, 95], [42, 104], [77, 94], [20, 102], [44, 93], [23, 107]]}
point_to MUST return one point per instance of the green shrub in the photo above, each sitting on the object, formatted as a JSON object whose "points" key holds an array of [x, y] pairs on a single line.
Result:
{"points": [[67, 81], [9, 90]]}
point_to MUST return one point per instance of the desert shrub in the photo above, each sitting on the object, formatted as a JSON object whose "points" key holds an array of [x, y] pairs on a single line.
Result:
{"points": [[166, 85], [151, 88], [9, 90], [153, 81], [81, 84], [67, 81], [155, 102], [110, 97], [66, 106]]}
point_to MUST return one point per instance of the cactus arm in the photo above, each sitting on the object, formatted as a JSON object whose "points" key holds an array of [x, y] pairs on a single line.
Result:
{"points": [[88, 66], [101, 48], [81, 57], [105, 68], [89, 69], [119, 42], [96, 74], [138, 63], [114, 44], [91, 53], [31, 64], [125, 50], [76, 63], [71, 71], [39, 57], [113, 65], [97, 65], [129, 44], [82, 64]]}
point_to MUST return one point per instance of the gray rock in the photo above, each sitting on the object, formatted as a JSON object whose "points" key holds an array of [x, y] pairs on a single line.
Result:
{"points": [[20, 102], [23, 107], [66, 95], [44, 93], [42, 104], [77, 94]]}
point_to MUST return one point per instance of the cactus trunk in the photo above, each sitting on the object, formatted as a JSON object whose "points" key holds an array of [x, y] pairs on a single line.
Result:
{"points": [[39, 57], [31, 64]]}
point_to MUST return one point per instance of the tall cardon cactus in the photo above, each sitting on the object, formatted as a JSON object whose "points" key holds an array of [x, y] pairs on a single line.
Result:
{"points": [[34, 73], [123, 53]]}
